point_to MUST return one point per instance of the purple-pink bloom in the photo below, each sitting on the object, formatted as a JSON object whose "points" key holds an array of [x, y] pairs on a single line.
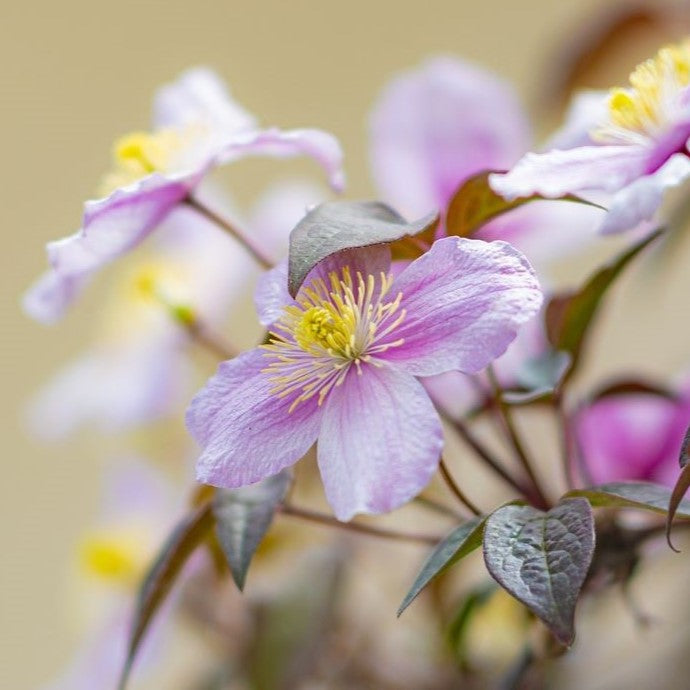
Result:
{"points": [[197, 127], [342, 366], [634, 436], [435, 126], [634, 149]]}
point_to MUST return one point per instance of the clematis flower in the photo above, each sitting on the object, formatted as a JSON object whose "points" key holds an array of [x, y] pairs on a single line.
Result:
{"points": [[110, 561], [633, 436], [140, 353], [636, 151], [341, 366], [435, 126], [197, 127]]}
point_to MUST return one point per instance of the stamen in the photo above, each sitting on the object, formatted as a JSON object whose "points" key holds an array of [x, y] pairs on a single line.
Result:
{"points": [[336, 323]]}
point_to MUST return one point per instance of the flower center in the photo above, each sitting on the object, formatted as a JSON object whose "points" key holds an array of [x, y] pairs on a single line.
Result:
{"points": [[116, 557], [333, 325], [648, 105], [139, 154]]}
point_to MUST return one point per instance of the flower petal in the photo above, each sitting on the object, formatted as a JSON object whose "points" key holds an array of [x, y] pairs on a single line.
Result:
{"points": [[434, 126], [640, 200], [464, 302], [245, 430], [380, 441], [587, 111], [271, 295], [556, 173], [199, 96], [50, 296], [276, 143]]}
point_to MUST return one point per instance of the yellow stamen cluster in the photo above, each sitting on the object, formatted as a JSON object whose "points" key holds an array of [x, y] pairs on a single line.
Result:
{"points": [[644, 108], [138, 154], [334, 324], [112, 556]]}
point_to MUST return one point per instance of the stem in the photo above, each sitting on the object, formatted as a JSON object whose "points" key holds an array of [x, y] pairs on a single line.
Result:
{"points": [[438, 507], [566, 441], [209, 342], [506, 420], [225, 225], [323, 519], [493, 463], [445, 473]]}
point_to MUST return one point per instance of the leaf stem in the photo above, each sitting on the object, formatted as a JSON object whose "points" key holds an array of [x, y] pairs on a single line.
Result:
{"points": [[439, 508], [256, 253], [565, 434], [328, 520], [208, 341], [505, 418], [455, 489], [486, 456]]}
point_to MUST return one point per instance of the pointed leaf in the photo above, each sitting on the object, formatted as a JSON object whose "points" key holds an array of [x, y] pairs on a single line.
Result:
{"points": [[179, 546], [542, 559], [243, 517], [679, 490], [640, 495], [337, 225], [569, 315], [538, 378], [475, 204], [458, 544]]}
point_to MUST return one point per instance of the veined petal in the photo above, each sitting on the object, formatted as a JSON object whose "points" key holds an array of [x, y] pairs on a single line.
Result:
{"points": [[271, 295], [434, 126], [380, 441], [464, 302], [245, 430], [315, 143], [641, 199], [556, 173], [199, 97]]}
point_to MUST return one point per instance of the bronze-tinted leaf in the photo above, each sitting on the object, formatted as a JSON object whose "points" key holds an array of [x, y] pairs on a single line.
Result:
{"points": [[542, 559], [179, 546], [337, 225]]}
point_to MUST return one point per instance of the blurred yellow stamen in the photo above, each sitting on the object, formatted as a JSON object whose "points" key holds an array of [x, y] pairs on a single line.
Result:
{"points": [[111, 556]]}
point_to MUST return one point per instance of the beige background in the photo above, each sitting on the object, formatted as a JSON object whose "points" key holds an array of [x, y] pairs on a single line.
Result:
{"points": [[77, 73]]}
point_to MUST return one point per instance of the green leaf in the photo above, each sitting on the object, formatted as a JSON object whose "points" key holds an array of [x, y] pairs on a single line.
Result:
{"points": [[538, 378], [179, 546], [243, 517], [470, 605], [337, 225], [458, 544], [569, 315], [542, 559], [475, 204], [641, 495]]}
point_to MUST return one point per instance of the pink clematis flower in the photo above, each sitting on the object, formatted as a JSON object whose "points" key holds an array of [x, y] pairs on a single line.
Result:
{"points": [[197, 127], [633, 436], [435, 126], [342, 363], [634, 149]]}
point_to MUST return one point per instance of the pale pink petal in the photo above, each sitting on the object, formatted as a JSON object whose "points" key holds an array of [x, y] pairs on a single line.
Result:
{"points": [[380, 441], [50, 296], [434, 126], [276, 143], [464, 302], [199, 97], [588, 111], [556, 173], [641, 199], [271, 295], [245, 430]]}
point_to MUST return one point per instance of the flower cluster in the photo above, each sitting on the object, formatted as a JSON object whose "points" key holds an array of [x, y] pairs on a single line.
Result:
{"points": [[387, 341]]}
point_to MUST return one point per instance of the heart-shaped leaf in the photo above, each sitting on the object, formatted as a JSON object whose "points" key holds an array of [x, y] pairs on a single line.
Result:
{"points": [[542, 559], [475, 204], [641, 495], [177, 549], [569, 315], [242, 518], [337, 225], [458, 544]]}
